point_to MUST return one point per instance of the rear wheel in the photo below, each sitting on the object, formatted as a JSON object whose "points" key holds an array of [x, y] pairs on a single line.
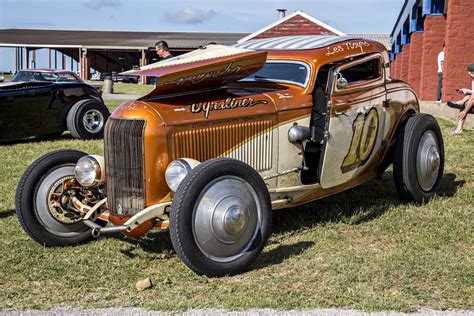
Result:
{"points": [[220, 217], [418, 159], [43, 200], [86, 119]]}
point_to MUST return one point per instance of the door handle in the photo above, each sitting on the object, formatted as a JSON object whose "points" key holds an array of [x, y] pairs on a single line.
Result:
{"points": [[340, 113]]}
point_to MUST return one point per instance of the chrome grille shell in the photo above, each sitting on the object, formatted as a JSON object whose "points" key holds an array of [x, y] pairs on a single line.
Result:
{"points": [[125, 165]]}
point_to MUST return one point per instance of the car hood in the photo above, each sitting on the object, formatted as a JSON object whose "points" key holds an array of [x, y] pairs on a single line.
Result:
{"points": [[208, 67], [231, 102]]}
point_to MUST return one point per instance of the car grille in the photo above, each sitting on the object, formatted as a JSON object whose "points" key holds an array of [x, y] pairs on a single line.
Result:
{"points": [[124, 164], [248, 142]]}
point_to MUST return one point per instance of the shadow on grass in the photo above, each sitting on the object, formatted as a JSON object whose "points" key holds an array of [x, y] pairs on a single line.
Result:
{"points": [[281, 253], [449, 185], [8, 213], [354, 206], [64, 136], [153, 242]]}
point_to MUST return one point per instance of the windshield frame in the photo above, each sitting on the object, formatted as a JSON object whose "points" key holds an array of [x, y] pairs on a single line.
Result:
{"points": [[283, 61]]}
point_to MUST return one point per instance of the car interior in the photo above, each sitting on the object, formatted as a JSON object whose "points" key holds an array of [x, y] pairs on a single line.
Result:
{"points": [[313, 149]]}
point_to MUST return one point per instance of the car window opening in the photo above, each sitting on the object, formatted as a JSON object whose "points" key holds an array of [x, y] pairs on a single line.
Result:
{"points": [[366, 71], [282, 71]]}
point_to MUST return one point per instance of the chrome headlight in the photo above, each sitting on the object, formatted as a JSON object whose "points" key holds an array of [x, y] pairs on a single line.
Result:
{"points": [[89, 171], [177, 170]]}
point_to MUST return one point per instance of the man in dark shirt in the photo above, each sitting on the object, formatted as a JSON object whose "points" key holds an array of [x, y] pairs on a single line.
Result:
{"points": [[162, 50]]}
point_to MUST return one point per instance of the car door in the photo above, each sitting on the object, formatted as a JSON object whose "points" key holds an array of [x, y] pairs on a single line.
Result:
{"points": [[357, 118], [19, 113], [51, 102]]}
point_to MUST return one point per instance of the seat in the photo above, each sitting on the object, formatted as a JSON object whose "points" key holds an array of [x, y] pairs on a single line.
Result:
{"points": [[318, 114]]}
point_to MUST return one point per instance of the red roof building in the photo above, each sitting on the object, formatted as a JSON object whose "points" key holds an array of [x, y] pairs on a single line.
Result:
{"points": [[297, 23]]}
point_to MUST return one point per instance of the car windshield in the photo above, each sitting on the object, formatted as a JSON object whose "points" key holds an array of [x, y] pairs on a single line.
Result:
{"points": [[59, 76], [282, 71], [44, 76]]}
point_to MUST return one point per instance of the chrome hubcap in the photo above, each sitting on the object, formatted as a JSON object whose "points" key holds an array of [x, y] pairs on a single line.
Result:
{"points": [[226, 219], [234, 220], [93, 121], [428, 160]]}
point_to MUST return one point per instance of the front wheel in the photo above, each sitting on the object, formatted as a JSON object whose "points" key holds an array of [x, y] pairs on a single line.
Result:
{"points": [[43, 200], [418, 159], [220, 217]]}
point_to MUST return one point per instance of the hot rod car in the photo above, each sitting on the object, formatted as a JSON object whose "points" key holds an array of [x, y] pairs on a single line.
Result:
{"points": [[230, 134], [46, 109]]}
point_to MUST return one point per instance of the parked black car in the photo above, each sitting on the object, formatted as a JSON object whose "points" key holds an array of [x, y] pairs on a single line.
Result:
{"points": [[47, 109], [117, 78], [51, 75]]}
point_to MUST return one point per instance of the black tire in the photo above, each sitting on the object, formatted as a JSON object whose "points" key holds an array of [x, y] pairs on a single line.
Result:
{"points": [[185, 207], [420, 136], [33, 214], [78, 114]]}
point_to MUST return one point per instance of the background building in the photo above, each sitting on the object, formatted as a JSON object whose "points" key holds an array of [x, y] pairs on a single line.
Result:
{"points": [[109, 51], [102, 51], [422, 28]]}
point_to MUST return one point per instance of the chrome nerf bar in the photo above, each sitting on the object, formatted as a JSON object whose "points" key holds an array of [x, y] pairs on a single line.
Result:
{"points": [[138, 219]]}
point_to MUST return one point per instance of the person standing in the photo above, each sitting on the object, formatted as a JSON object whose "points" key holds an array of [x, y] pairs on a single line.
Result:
{"points": [[162, 49], [440, 75]]}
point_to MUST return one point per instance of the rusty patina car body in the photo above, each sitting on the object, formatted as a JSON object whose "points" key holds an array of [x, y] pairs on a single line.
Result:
{"points": [[238, 132]]}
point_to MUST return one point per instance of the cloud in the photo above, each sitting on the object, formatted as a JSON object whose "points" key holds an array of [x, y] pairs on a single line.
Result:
{"points": [[190, 15], [99, 4]]}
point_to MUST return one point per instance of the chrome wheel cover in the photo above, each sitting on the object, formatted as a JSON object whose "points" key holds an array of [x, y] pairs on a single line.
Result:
{"points": [[226, 218], [42, 204], [93, 121], [428, 161]]}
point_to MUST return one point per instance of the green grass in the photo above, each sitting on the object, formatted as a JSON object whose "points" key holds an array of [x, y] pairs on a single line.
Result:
{"points": [[113, 104], [131, 88], [360, 249]]}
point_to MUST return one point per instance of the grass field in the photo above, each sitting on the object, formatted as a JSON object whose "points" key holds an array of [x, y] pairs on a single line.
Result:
{"points": [[360, 249], [7, 77], [131, 88]]}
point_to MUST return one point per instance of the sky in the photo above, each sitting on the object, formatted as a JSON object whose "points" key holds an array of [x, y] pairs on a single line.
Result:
{"points": [[349, 16]]}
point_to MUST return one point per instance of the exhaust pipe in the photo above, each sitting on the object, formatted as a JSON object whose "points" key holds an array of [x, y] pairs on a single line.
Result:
{"points": [[98, 230]]}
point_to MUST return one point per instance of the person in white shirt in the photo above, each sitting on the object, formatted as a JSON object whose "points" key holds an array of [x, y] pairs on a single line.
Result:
{"points": [[466, 105], [440, 75]]}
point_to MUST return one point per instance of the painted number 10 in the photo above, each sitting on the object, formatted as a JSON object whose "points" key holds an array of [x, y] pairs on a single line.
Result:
{"points": [[364, 135]]}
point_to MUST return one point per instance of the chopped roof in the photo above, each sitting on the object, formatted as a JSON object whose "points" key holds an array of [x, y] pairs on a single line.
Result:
{"points": [[381, 38], [293, 42]]}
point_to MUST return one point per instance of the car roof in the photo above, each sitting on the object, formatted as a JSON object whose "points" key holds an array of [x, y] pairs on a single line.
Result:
{"points": [[48, 70], [299, 42]]}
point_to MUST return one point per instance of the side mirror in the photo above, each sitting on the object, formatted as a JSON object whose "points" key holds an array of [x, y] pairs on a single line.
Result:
{"points": [[341, 82]]}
